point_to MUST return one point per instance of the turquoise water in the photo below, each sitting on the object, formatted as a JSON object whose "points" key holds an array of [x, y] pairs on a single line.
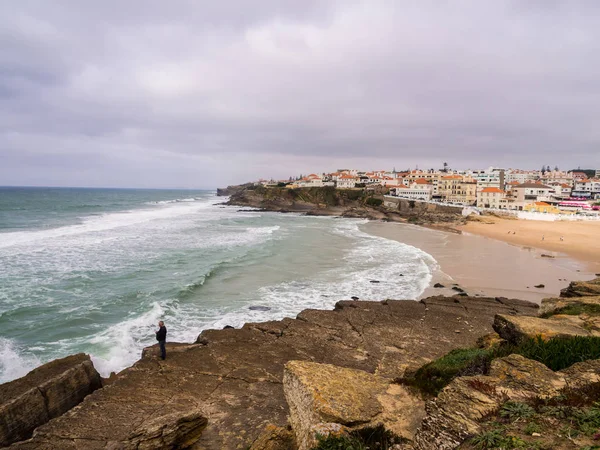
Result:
{"points": [[93, 270]]}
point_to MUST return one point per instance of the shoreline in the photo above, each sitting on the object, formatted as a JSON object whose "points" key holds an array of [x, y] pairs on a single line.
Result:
{"points": [[485, 267], [559, 239]]}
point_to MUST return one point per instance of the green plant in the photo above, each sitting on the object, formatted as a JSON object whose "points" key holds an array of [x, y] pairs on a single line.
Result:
{"points": [[588, 419], [516, 410], [560, 353], [495, 439], [532, 427], [372, 201], [369, 438], [433, 377], [575, 310]]}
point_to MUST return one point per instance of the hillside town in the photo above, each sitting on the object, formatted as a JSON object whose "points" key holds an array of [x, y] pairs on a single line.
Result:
{"points": [[543, 191]]}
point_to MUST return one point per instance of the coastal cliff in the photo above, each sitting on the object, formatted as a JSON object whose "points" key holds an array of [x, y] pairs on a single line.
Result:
{"points": [[282, 384], [351, 203]]}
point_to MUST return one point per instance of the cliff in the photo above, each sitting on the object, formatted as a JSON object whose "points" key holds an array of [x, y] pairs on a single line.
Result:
{"points": [[362, 367], [329, 201]]}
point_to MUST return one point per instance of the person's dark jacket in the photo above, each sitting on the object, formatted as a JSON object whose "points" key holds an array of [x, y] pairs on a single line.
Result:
{"points": [[161, 334]]}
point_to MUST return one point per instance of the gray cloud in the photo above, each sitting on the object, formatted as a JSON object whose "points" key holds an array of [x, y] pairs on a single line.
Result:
{"points": [[199, 94]]}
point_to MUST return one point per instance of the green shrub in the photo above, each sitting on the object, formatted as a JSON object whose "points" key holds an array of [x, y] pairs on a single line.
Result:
{"points": [[369, 438], [497, 439], [516, 410], [575, 310], [559, 353], [556, 354], [434, 376], [372, 201]]}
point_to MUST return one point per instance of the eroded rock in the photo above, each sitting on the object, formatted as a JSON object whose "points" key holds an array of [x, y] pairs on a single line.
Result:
{"points": [[43, 394], [516, 328], [322, 394], [582, 288]]}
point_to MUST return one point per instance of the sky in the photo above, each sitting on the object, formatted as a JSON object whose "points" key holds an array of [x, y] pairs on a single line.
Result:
{"points": [[199, 94]]}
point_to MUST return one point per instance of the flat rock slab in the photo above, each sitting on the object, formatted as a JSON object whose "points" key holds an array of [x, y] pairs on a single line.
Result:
{"points": [[322, 394], [234, 377], [582, 288], [516, 328]]}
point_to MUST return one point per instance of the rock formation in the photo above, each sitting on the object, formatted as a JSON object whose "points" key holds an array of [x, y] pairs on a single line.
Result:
{"points": [[322, 396], [43, 394], [225, 390], [582, 288]]}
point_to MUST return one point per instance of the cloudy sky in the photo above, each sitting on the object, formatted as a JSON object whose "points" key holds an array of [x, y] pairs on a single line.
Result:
{"points": [[154, 93]]}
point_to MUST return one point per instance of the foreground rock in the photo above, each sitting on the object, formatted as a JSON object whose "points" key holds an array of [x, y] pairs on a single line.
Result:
{"points": [[456, 414], [43, 394], [323, 397], [582, 288], [515, 328], [222, 392], [554, 305]]}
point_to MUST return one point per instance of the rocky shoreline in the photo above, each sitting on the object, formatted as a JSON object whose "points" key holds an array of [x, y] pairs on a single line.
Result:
{"points": [[349, 203], [256, 387]]}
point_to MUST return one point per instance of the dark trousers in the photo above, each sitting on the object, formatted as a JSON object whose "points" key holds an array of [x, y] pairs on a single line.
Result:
{"points": [[163, 351]]}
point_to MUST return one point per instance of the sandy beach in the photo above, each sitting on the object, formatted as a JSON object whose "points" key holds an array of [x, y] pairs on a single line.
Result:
{"points": [[580, 240], [488, 267]]}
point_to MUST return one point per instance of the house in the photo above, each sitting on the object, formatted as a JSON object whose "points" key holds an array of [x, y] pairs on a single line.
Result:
{"points": [[346, 182], [491, 197]]}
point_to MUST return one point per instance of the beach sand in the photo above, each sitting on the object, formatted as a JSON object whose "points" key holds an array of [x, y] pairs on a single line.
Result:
{"points": [[581, 240], [487, 267]]}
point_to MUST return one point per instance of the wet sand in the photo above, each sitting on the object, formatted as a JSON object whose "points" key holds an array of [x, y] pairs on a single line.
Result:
{"points": [[486, 267]]}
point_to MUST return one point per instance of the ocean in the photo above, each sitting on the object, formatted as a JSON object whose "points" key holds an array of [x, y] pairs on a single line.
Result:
{"points": [[93, 270]]}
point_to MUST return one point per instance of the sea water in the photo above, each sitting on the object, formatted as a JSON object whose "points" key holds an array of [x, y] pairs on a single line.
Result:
{"points": [[93, 270]]}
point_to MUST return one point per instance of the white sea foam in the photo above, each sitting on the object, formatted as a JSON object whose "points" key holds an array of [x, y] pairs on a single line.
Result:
{"points": [[14, 362], [120, 345], [104, 222]]}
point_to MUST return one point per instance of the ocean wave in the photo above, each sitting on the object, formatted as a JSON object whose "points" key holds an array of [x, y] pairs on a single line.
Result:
{"points": [[14, 361], [103, 222]]}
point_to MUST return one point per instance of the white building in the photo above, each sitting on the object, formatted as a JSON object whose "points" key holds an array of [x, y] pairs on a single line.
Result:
{"points": [[520, 176], [491, 197], [346, 181], [587, 188], [418, 190]]}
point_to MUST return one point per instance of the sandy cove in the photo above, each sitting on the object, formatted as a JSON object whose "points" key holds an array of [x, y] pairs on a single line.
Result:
{"points": [[581, 240]]}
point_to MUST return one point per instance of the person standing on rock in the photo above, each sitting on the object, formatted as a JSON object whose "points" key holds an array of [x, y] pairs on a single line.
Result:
{"points": [[161, 337]]}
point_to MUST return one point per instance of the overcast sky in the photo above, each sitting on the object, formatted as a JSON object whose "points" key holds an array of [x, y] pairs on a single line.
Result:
{"points": [[155, 93]]}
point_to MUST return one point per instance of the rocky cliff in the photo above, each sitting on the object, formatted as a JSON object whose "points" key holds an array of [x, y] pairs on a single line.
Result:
{"points": [[329, 201], [283, 384], [225, 390]]}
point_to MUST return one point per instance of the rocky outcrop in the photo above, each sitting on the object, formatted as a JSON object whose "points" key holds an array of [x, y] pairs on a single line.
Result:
{"points": [[351, 203], [45, 393], [551, 306], [517, 328], [456, 414], [326, 397], [582, 288], [234, 377]]}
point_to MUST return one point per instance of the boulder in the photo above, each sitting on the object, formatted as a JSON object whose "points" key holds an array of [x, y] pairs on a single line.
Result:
{"points": [[320, 395], [582, 288], [550, 305], [516, 328], [454, 415], [521, 378], [43, 394]]}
